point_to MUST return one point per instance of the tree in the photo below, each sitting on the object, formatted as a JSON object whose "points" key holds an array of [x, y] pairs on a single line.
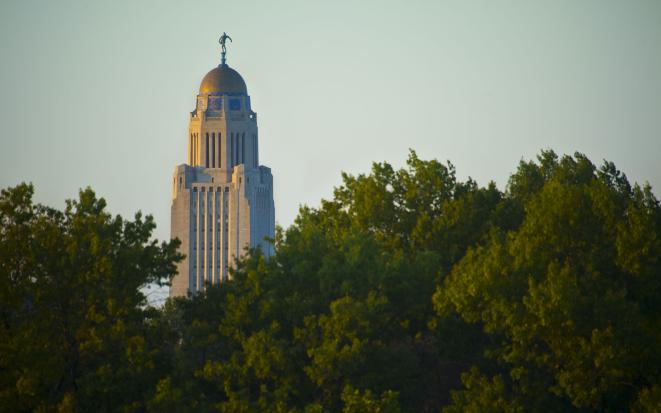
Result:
{"points": [[74, 330], [573, 295], [408, 291]]}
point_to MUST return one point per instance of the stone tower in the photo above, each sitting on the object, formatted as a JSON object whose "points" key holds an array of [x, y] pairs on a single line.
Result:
{"points": [[222, 199]]}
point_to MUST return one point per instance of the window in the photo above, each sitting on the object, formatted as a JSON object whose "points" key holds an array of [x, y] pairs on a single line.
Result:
{"points": [[232, 150], [206, 148], [236, 149], [220, 152], [243, 147], [213, 151], [254, 150], [235, 104]]}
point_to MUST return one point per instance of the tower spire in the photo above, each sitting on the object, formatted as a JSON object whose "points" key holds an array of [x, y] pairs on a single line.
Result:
{"points": [[223, 39]]}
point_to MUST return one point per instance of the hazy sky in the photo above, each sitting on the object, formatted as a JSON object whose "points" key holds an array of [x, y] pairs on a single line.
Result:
{"points": [[98, 92]]}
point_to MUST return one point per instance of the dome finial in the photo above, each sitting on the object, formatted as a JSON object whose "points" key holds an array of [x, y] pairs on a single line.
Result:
{"points": [[222, 41]]}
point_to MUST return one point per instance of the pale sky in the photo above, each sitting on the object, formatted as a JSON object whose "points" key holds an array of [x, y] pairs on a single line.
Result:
{"points": [[98, 92]]}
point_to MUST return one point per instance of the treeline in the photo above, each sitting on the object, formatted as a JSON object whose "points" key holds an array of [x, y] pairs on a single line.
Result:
{"points": [[409, 291]]}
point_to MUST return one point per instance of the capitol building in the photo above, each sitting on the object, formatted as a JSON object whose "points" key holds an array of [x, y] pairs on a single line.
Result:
{"points": [[222, 198]]}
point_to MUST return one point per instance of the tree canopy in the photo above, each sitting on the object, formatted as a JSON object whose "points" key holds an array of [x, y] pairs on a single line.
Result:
{"points": [[74, 331], [409, 291]]}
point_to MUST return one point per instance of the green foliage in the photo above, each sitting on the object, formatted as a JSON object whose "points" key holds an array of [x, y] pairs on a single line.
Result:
{"points": [[365, 402], [73, 331], [649, 400], [573, 293], [482, 395], [408, 291]]}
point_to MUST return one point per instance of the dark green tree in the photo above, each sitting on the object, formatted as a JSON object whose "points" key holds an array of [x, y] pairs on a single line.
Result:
{"points": [[572, 297], [408, 291], [74, 327]]}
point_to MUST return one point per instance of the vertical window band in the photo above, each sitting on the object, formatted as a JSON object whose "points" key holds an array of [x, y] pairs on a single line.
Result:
{"points": [[243, 147], [206, 152], [213, 149]]}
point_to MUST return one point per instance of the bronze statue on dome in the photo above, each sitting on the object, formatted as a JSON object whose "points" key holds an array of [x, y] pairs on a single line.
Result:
{"points": [[223, 39]]}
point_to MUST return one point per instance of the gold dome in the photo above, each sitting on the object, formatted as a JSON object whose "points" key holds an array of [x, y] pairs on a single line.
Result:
{"points": [[223, 79]]}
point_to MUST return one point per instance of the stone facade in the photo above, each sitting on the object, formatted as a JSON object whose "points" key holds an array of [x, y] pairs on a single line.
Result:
{"points": [[222, 199]]}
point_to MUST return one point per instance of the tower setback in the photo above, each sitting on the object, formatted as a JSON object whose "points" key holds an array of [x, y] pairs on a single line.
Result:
{"points": [[222, 199]]}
